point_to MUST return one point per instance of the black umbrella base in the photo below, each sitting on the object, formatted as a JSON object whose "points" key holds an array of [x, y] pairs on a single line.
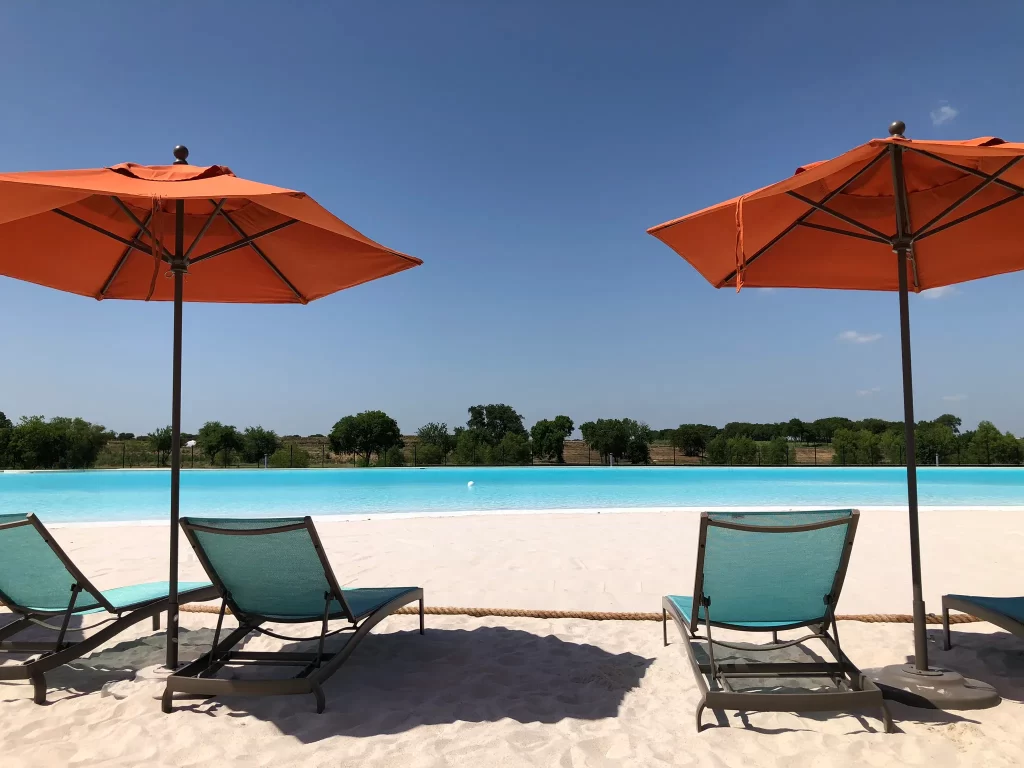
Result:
{"points": [[932, 689]]}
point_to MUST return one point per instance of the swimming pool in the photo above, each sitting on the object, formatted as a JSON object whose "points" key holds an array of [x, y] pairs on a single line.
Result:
{"points": [[112, 495]]}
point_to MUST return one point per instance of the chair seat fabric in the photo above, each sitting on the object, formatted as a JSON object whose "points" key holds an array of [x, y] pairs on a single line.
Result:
{"points": [[1008, 606], [685, 607]]}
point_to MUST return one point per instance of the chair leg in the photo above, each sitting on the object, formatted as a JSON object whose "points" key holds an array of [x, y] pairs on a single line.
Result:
{"points": [[887, 720], [700, 711], [422, 631], [664, 626], [946, 645], [39, 689], [156, 622], [321, 704]]}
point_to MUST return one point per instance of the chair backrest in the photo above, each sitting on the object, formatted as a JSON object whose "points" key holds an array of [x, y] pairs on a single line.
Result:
{"points": [[35, 574], [272, 567], [772, 567]]}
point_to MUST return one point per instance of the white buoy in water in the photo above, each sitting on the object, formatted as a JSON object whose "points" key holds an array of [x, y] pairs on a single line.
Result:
{"points": [[470, 484]]}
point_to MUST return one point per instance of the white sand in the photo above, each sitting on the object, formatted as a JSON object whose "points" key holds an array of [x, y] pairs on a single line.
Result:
{"points": [[510, 692]]}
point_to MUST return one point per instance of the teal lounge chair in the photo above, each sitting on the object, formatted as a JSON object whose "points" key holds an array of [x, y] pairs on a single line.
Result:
{"points": [[769, 572], [276, 571], [38, 581], [1005, 612]]}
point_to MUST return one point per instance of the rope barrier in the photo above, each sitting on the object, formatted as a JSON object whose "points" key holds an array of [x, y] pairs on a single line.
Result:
{"points": [[528, 613]]}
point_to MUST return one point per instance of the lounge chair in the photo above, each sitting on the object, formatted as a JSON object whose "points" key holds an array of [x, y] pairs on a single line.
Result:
{"points": [[1005, 612], [276, 570], [38, 581], [769, 572]]}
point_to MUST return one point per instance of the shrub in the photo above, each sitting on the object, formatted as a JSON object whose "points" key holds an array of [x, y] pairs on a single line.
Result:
{"points": [[290, 456]]}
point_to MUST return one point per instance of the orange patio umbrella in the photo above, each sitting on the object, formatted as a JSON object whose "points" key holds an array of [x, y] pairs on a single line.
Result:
{"points": [[120, 232], [889, 215]]}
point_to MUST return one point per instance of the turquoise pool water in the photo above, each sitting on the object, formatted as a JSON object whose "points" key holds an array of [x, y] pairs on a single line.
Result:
{"points": [[111, 495]]}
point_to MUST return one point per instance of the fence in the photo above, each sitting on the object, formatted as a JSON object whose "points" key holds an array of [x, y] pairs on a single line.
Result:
{"points": [[316, 453]]}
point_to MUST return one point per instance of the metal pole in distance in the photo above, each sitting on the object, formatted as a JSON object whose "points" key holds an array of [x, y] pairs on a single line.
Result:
{"points": [[178, 268]]}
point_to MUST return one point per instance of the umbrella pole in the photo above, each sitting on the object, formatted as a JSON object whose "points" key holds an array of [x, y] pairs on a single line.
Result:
{"points": [[178, 268], [918, 684], [920, 631]]}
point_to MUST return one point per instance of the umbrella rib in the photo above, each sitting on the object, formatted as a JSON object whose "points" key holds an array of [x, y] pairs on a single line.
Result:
{"points": [[841, 216], [244, 241], [206, 226], [967, 169], [259, 252], [838, 190], [140, 225], [140, 247], [966, 217], [120, 262], [848, 233], [988, 179]]}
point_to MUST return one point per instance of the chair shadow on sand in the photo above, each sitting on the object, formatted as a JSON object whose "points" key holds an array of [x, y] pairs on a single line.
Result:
{"points": [[395, 681], [866, 721], [88, 675]]}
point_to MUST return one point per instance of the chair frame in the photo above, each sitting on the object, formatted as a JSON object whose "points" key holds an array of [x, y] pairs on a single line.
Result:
{"points": [[854, 691], [959, 603], [56, 653], [197, 678]]}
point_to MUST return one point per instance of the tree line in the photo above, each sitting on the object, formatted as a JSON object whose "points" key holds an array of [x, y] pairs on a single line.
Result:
{"points": [[496, 434]]}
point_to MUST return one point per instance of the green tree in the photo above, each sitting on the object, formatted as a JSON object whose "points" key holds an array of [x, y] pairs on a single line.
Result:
{"points": [[934, 438], [495, 421], [258, 442], [437, 436], [470, 447], [892, 445], [549, 436], [1007, 450], [364, 434], [951, 421], [742, 450], [844, 446], [984, 448], [775, 451], [718, 450], [514, 448], [693, 439], [60, 443], [160, 441], [217, 441], [618, 438], [823, 430], [6, 427], [796, 429], [869, 447]]}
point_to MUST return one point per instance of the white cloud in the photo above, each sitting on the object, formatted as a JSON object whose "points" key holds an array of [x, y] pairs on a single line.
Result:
{"points": [[943, 114], [856, 337], [940, 292], [954, 398], [868, 392]]}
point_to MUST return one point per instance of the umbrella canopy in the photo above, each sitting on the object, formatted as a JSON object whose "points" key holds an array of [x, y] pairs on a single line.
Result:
{"points": [[117, 232], [889, 215], [91, 232], [833, 223]]}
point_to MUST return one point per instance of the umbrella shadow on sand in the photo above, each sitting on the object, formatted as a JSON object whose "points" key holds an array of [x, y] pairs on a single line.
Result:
{"points": [[996, 658], [397, 681]]}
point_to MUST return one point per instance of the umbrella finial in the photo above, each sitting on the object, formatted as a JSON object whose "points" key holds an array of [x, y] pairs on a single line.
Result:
{"points": [[181, 154], [897, 129]]}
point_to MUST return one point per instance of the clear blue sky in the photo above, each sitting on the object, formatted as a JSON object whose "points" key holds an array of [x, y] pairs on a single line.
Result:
{"points": [[520, 149]]}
